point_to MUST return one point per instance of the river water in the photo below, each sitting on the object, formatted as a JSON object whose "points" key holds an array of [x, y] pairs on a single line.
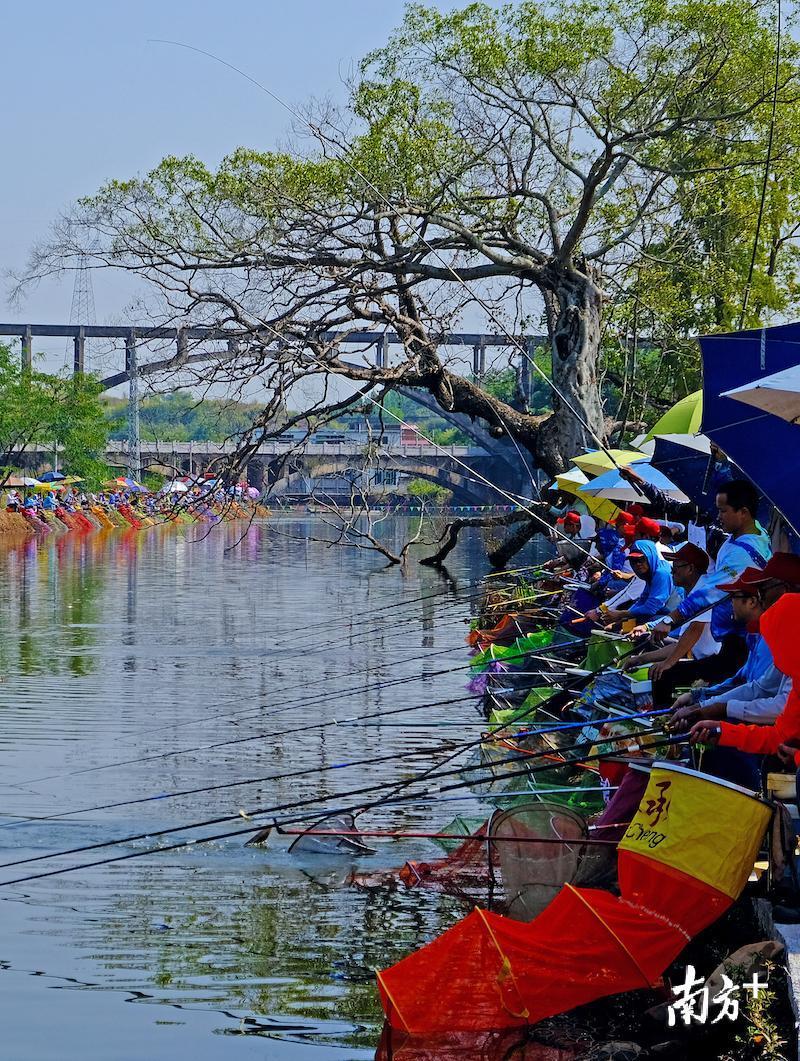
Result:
{"points": [[124, 659]]}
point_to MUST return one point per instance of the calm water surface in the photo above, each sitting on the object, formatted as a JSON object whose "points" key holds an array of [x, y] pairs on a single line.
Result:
{"points": [[123, 646]]}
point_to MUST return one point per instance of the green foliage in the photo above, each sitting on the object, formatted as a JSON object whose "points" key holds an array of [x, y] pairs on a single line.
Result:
{"points": [[62, 410], [180, 417], [425, 490], [450, 436]]}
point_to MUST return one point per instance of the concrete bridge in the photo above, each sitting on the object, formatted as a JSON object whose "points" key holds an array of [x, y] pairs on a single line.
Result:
{"points": [[495, 457], [288, 470]]}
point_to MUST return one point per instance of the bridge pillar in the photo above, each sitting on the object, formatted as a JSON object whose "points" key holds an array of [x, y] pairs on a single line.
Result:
{"points": [[79, 354], [134, 437], [525, 371], [27, 349], [382, 352], [479, 360], [255, 473]]}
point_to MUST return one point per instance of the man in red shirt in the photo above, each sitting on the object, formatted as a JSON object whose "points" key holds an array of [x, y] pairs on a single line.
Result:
{"points": [[780, 626]]}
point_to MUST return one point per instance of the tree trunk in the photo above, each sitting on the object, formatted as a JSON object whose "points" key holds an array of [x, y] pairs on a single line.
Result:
{"points": [[574, 312], [512, 543]]}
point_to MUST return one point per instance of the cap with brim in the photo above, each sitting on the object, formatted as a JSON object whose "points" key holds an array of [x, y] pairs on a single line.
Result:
{"points": [[636, 555], [748, 582], [689, 553], [782, 567]]}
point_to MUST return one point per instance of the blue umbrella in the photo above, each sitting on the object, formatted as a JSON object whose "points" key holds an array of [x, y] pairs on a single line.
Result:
{"points": [[51, 477], [762, 445], [612, 485]]}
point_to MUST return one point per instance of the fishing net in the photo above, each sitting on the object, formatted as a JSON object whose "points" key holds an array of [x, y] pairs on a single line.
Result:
{"points": [[604, 648], [464, 873], [502, 717], [460, 826], [533, 872], [512, 655]]}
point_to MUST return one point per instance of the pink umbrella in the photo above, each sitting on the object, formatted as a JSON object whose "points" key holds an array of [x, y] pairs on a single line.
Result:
{"points": [[253, 493]]}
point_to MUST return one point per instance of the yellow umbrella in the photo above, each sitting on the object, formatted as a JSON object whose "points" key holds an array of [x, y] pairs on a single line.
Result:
{"points": [[71, 479], [682, 419], [599, 507], [598, 461], [43, 488]]}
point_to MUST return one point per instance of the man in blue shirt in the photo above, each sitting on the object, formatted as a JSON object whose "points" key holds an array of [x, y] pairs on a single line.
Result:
{"points": [[746, 546]]}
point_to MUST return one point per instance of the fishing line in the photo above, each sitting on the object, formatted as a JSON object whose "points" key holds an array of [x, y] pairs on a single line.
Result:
{"points": [[181, 845], [266, 736], [767, 162]]}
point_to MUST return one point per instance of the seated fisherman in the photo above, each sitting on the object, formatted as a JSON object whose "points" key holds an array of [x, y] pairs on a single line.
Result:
{"points": [[780, 627], [758, 690], [689, 566], [656, 576], [745, 546], [571, 548]]}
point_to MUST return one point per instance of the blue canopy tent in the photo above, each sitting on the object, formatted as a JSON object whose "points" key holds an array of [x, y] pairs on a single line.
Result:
{"points": [[763, 446]]}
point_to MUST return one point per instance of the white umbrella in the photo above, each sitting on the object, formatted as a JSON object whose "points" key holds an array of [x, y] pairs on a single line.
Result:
{"points": [[700, 443], [175, 487], [778, 394]]}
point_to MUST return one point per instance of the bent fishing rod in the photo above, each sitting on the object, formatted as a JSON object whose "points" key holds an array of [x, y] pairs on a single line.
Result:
{"points": [[312, 800], [316, 770], [229, 834]]}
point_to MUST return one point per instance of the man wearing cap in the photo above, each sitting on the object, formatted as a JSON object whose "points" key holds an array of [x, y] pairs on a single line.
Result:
{"points": [[569, 545], [745, 546], [689, 565], [757, 692]]}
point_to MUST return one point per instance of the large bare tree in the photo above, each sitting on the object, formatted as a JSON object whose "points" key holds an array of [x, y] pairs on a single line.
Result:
{"points": [[508, 169]]}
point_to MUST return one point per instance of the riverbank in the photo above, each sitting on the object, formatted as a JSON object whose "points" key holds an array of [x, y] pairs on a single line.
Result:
{"points": [[17, 526]]}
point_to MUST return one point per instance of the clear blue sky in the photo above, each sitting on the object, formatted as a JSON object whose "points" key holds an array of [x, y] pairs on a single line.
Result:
{"points": [[87, 98]]}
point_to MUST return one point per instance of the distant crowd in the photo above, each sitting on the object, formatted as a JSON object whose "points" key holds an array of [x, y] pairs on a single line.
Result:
{"points": [[72, 507]]}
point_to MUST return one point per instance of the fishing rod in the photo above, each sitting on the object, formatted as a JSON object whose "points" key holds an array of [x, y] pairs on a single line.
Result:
{"points": [[310, 801], [393, 834], [182, 845], [328, 678], [322, 680], [560, 693], [404, 801], [321, 725], [302, 701], [311, 770]]}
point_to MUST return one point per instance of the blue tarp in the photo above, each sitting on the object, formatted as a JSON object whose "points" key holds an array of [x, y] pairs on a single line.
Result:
{"points": [[763, 446], [693, 472]]}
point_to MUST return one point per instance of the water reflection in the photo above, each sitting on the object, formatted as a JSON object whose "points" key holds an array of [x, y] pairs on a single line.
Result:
{"points": [[118, 647]]}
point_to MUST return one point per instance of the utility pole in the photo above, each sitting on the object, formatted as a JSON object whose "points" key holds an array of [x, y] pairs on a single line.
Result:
{"points": [[82, 311], [134, 440]]}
